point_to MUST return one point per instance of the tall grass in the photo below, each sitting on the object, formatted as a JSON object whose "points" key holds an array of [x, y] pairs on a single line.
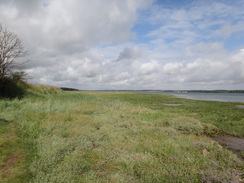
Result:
{"points": [[116, 137]]}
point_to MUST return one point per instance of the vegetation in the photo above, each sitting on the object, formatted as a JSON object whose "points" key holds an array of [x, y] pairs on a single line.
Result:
{"points": [[11, 67], [57, 136], [69, 89]]}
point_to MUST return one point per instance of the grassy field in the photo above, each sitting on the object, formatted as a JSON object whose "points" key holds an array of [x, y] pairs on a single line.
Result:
{"points": [[54, 136]]}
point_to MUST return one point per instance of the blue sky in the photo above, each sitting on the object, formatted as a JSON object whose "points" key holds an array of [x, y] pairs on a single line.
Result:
{"points": [[131, 44], [159, 15]]}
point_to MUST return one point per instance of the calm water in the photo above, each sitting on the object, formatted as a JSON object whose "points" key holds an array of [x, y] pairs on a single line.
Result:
{"points": [[224, 97]]}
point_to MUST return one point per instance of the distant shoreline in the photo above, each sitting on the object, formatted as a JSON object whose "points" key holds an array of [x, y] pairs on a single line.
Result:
{"points": [[157, 91]]}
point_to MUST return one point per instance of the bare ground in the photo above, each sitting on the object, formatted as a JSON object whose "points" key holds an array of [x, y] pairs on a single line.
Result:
{"points": [[235, 144]]}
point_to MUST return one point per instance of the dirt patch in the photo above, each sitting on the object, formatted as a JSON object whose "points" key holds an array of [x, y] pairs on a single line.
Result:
{"points": [[233, 143], [10, 135], [173, 104], [9, 164], [240, 106], [168, 104]]}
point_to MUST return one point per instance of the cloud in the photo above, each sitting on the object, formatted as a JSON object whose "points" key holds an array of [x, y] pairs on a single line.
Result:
{"points": [[130, 44], [208, 71], [131, 54], [196, 20], [149, 67], [62, 25]]}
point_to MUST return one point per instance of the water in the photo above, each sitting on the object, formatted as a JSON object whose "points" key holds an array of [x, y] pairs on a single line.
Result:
{"points": [[224, 97]]}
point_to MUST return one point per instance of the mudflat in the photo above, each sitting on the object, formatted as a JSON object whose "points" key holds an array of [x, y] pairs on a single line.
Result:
{"points": [[233, 143], [240, 106]]}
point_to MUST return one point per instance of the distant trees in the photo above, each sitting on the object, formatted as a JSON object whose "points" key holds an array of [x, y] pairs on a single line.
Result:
{"points": [[11, 68]]}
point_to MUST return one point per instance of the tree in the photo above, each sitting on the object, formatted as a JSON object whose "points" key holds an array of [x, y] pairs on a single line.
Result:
{"points": [[11, 49], [11, 74]]}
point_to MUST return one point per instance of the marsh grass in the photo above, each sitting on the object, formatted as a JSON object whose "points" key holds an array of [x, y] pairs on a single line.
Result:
{"points": [[223, 115], [119, 137]]}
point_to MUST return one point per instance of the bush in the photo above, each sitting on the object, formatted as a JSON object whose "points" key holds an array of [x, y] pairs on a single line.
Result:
{"points": [[11, 88]]}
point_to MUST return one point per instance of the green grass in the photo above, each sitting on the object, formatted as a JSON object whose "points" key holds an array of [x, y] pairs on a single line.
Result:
{"points": [[224, 115], [12, 155], [117, 137]]}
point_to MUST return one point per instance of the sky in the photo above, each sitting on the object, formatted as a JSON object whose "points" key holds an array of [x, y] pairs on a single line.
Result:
{"points": [[130, 44]]}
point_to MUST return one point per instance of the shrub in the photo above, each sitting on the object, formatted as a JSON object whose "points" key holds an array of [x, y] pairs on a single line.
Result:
{"points": [[11, 88]]}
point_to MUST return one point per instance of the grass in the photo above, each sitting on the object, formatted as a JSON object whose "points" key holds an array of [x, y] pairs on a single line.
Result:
{"points": [[224, 115], [12, 155], [116, 137]]}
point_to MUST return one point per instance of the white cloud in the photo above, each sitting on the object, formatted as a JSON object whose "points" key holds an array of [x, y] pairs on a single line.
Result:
{"points": [[149, 67], [123, 76], [90, 44], [209, 71], [64, 24], [172, 68]]}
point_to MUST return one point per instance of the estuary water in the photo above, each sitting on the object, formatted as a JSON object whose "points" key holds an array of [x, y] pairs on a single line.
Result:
{"points": [[224, 97]]}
